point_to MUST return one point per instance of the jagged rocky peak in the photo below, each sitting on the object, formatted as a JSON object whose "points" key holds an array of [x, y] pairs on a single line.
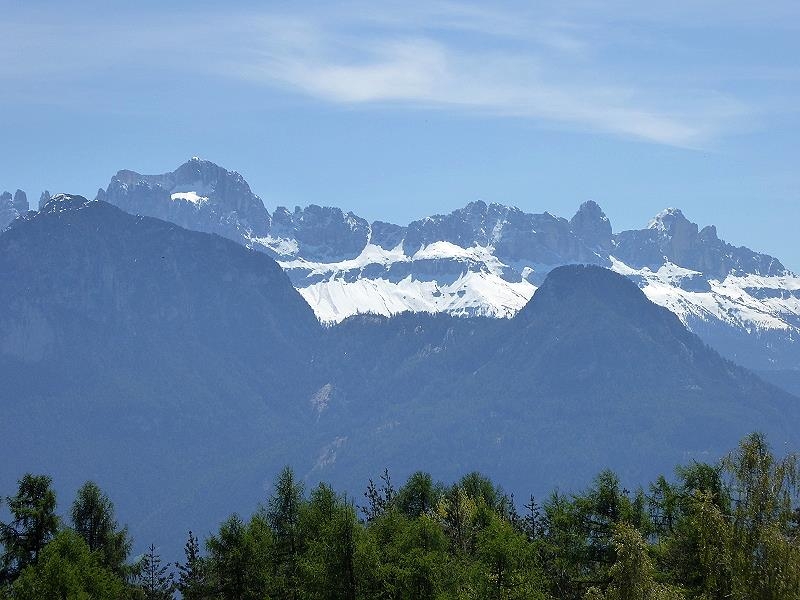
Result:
{"points": [[673, 224], [44, 199], [592, 226], [20, 201], [229, 187], [515, 235], [322, 233], [387, 235], [671, 237], [63, 202], [708, 234], [12, 206], [281, 222], [477, 223], [198, 195]]}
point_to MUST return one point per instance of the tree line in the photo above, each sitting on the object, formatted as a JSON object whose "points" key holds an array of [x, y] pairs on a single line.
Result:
{"points": [[729, 530]]}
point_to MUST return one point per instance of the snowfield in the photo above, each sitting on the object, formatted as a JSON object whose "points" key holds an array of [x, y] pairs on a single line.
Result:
{"points": [[485, 286]]}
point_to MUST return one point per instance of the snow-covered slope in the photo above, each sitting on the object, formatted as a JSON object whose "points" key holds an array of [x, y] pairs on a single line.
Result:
{"points": [[439, 277], [750, 302], [486, 259]]}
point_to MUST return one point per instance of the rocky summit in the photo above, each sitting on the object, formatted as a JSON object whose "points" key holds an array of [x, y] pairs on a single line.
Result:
{"points": [[12, 207], [198, 195]]}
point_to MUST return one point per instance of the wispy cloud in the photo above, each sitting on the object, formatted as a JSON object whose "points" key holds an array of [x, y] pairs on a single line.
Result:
{"points": [[545, 66], [541, 71]]}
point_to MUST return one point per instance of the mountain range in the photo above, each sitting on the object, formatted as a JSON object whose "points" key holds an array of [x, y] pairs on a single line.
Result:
{"points": [[181, 370], [485, 259]]}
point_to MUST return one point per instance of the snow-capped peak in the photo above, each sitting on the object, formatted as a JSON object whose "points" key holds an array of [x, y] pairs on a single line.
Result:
{"points": [[663, 221]]}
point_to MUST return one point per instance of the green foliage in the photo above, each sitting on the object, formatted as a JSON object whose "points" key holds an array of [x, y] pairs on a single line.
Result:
{"points": [[716, 532], [404, 557], [283, 515], [733, 532], [67, 569], [93, 519], [240, 559], [576, 545], [155, 579], [329, 526], [192, 579], [379, 499], [481, 489], [632, 576], [508, 564], [33, 524], [418, 496], [764, 550]]}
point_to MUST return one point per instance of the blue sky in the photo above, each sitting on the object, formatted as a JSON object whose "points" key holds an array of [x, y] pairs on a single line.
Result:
{"points": [[396, 110]]}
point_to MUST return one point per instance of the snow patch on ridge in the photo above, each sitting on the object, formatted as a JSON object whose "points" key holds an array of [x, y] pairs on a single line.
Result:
{"points": [[280, 246], [190, 196], [370, 255]]}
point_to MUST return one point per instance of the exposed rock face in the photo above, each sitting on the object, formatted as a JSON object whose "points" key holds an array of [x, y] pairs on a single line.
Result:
{"points": [[514, 235], [12, 207], [198, 195], [321, 233], [671, 237], [592, 226], [475, 224], [387, 235], [21, 201], [7, 212], [43, 199]]}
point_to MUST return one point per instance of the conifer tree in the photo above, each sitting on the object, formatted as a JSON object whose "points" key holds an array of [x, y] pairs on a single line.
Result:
{"points": [[192, 573], [765, 561], [329, 529], [33, 524], [240, 561], [379, 499], [632, 574], [93, 519], [66, 568], [418, 496], [155, 579], [283, 515]]}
